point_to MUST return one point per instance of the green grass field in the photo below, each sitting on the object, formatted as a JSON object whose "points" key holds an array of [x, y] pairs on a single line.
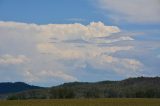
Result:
{"points": [[82, 102]]}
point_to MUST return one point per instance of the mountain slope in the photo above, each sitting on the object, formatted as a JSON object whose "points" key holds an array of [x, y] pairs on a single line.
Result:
{"points": [[9, 87]]}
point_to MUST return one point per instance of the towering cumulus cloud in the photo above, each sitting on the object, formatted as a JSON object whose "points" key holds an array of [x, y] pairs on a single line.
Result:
{"points": [[64, 52]]}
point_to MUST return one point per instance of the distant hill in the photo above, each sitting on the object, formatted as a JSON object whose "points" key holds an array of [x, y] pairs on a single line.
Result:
{"points": [[8, 87], [141, 87]]}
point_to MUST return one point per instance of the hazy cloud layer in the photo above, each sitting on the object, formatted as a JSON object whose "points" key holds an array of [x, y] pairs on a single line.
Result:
{"points": [[140, 11], [9, 59]]}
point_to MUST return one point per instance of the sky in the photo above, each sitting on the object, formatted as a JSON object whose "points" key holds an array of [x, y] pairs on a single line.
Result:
{"points": [[50, 42]]}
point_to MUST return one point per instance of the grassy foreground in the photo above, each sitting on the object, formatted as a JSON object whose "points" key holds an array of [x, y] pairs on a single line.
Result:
{"points": [[82, 102]]}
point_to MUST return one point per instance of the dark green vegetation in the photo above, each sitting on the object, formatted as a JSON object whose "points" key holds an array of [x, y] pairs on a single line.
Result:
{"points": [[141, 87], [83, 102]]}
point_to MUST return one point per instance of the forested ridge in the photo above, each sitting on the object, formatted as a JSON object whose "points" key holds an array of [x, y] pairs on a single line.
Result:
{"points": [[140, 87]]}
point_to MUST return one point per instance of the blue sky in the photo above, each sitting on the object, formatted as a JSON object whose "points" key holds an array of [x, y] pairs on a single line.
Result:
{"points": [[48, 42], [44, 12]]}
